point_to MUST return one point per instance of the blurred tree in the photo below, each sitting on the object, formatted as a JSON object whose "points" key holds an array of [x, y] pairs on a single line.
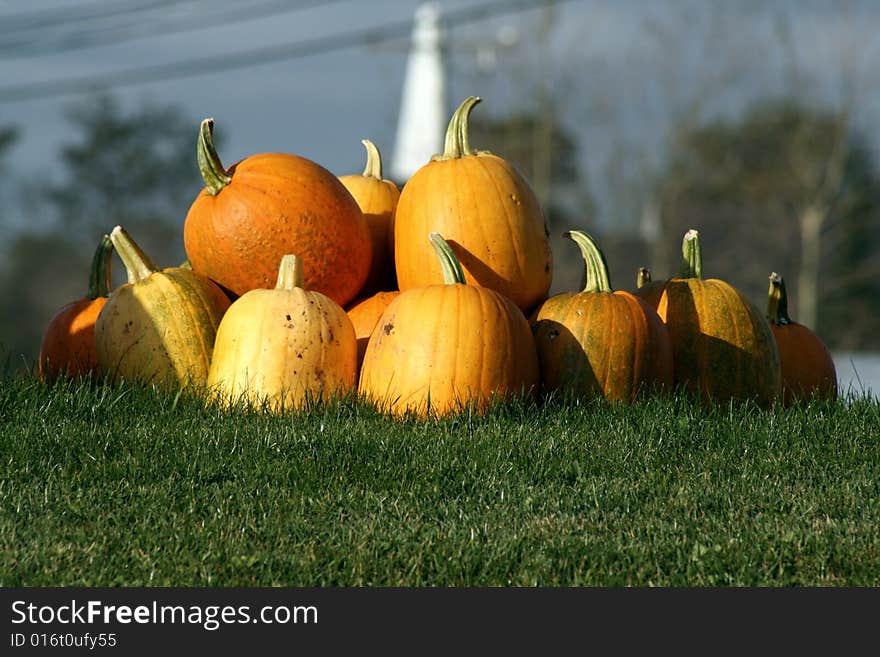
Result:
{"points": [[790, 189], [8, 137], [522, 139], [137, 169]]}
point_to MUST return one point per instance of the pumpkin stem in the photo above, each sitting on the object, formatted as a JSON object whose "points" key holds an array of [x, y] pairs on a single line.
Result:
{"points": [[777, 301], [138, 265], [373, 169], [643, 277], [101, 273], [691, 256], [452, 271], [290, 273], [595, 267], [457, 141], [213, 172]]}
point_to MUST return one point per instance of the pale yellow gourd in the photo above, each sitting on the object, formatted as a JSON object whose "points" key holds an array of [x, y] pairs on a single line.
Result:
{"points": [[159, 327], [283, 348]]}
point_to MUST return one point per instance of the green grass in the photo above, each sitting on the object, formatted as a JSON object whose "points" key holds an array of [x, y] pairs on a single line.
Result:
{"points": [[106, 486]]}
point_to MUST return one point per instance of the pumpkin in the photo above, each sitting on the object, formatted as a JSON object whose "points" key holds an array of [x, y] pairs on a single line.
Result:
{"points": [[722, 345], [248, 216], [807, 367], [377, 199], [283, 348], [600, 343], [68, 344], [365, 314], [159, 327], [442, 348], [488, 214]]}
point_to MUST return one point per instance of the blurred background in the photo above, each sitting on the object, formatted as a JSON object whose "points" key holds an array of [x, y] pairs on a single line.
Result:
{"points": [[756, 122]]}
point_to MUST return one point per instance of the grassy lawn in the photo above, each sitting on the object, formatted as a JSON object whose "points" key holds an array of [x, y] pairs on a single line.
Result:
{"points": [[103, 485]]}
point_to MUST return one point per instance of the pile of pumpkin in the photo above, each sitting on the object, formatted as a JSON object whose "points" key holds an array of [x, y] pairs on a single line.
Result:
{"points": [[300, 286]]}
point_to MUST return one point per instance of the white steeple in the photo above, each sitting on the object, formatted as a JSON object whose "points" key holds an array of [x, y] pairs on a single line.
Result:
{"points": [[423, 112]]}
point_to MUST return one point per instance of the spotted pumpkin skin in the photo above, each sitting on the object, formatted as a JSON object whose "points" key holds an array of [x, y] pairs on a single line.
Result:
{"points": [[608, 345], [365, 314], [160, 330], [377, 198], [283, 349], [722, 346], [269, 205], [488, 214]]}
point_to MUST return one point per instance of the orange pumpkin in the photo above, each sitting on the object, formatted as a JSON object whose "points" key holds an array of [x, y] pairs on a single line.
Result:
{"points": [[440, 348], [68, 345], [807, 367], [722, 345], [248, 216], [601, 343], [487, 212], [377, 199], [365, 314]]}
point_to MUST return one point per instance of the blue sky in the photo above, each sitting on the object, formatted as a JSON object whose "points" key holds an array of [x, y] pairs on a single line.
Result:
{"points": [[623, 72]]}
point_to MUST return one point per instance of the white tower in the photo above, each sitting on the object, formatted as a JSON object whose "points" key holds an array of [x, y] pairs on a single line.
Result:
{"points": [[423, 109]]}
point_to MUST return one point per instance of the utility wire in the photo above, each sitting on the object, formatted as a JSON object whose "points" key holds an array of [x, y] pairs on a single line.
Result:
{"points": [[227, 62], [112, 34], [38, 20]]}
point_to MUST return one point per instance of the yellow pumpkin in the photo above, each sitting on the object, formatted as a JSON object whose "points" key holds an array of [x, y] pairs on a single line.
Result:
{"points": [[159, 327], [377, 199], [440, 348], [285, 347], [598, 342], [487, 212], [722, 345]]}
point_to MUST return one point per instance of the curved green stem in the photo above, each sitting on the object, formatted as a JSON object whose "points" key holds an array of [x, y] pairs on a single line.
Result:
{"points": [[138, 265], [449, 264], [643, 277], [373, 169], [777, 301], [101, 273], [213, 172], [596, 277], [691, 256], [457, 141], [290, 273]]}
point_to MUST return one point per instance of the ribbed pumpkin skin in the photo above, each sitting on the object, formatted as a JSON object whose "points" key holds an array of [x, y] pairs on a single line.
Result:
{"points": [[283, 347], [602, 344], [489, 215], [455, 344], [807, 367], [276, 204], [722, 346], [68, 345], [365, 314], [161, 329], [377, 199]]}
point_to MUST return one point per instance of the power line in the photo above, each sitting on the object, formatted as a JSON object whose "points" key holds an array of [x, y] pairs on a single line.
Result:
{"points": [[246, 59], [110, 35], [65, 15]]}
